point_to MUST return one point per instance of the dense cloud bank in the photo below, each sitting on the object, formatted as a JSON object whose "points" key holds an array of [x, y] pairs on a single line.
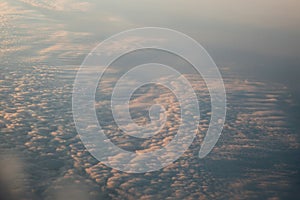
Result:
{"points": [[36, 119], [42, 156]]}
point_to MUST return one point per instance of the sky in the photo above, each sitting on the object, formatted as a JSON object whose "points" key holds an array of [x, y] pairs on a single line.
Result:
{"points": [[266, 29], [254, 37]]}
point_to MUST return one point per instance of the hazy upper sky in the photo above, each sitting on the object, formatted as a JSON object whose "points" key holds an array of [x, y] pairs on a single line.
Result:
{"points": [[259, 36], [259, 33], [225, 28]]}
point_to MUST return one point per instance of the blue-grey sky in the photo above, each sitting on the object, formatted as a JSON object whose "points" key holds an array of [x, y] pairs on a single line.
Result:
{"points": [[242, 34]]}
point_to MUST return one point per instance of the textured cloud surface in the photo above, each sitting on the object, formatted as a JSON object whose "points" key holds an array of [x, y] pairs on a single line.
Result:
{"points": [[36, 118], [256, 156], [62, 5]]}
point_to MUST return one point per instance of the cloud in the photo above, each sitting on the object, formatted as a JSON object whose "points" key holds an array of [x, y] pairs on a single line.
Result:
{"points": [[59, 5], [36, 118], [12, 176], [44, 126]]}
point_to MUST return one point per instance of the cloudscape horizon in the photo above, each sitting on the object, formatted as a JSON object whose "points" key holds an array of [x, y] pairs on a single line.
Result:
{"points": [[255, 46]]}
